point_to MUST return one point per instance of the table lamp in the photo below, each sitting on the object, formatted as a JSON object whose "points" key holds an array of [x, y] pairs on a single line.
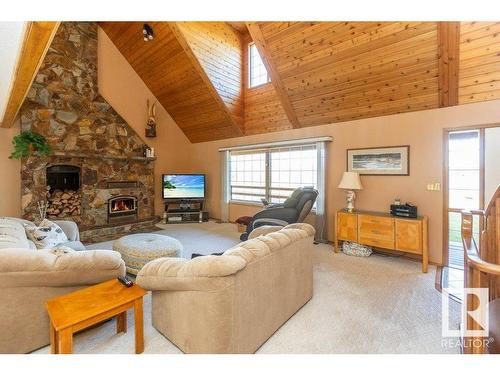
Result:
{"points": [[350, 182]]}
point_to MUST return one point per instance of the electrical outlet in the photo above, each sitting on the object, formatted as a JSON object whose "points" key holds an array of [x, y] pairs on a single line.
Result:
{"points": [[434, 186]]}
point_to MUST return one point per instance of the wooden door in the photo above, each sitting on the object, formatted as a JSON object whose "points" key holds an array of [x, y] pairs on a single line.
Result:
{"points": [[409, 236], [347, 225]]}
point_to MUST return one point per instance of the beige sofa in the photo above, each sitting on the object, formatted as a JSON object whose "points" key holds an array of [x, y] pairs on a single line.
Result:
{"points": [[232, 303], [29, 277]]}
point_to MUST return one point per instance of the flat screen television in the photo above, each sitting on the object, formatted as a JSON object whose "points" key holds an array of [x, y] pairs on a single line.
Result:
{"points": [[183, 186]]}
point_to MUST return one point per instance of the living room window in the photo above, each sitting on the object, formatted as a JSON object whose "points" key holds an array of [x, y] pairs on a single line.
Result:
{"points": [[272, 173], [257, 72], [248, 176]]}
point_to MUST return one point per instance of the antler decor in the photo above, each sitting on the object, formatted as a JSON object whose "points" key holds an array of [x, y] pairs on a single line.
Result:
{"points": [[151, 124], [42, 209]]}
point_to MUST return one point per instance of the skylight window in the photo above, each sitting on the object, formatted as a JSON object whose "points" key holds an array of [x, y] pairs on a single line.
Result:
{"points": [[257, 70]]}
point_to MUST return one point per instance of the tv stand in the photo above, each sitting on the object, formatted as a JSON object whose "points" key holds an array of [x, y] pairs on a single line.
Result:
{"points": [[183, 211]]}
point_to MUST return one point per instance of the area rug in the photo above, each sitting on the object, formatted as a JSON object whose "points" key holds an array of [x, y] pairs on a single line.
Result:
{"points": [[377, 304]]}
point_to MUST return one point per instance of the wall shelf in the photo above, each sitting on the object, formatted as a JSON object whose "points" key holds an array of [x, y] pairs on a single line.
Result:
{"points": [[108, 157]]}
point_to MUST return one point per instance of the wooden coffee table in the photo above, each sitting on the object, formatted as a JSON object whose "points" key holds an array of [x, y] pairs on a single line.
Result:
{"points": [[75, 311]]}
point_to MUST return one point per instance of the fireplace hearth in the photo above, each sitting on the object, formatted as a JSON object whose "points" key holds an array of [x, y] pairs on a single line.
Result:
{"points": [[122, 209]]}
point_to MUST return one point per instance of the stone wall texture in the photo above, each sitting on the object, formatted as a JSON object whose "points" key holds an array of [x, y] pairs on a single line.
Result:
{"points": [[64, 105]]}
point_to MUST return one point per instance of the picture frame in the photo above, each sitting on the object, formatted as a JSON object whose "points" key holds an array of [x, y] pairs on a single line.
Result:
{"points": [[379, 161]]}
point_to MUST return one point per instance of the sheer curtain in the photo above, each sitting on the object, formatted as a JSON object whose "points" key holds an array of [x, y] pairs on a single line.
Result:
{"points": [[225, 185], [320, 223]]}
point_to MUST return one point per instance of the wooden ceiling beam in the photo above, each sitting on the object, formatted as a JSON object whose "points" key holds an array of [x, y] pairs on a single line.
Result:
{"points": [[448, 62], [260, 43], [203, 75], [240, 27], [37, 40]]}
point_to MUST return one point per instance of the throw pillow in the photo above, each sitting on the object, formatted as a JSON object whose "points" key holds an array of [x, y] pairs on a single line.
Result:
{"points": [[46, 235]]}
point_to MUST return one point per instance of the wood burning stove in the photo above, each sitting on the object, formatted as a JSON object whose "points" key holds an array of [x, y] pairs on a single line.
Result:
{"points": [[122, 209]]}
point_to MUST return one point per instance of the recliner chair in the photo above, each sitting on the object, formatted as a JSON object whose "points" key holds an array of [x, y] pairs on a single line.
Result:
{"points": [[293, 210]]}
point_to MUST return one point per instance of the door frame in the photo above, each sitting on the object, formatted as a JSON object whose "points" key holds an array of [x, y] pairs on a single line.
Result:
{"points": [[445, 184]]}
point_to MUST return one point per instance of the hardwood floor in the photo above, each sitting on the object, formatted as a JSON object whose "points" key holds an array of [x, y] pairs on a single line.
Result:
{"points": [[452, 277], [456, 255], [453, 281]]}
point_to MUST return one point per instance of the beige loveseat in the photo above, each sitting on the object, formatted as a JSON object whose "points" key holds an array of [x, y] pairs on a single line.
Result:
{"points": [[232, 303], [29, 277]]}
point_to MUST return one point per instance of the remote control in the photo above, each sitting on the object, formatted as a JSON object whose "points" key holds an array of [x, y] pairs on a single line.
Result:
{"points": [[125, 281]]}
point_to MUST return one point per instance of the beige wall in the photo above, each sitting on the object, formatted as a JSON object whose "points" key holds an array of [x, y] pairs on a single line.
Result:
{"points": [[491, 162], [120, 85], [10, 178], [423, 131]]}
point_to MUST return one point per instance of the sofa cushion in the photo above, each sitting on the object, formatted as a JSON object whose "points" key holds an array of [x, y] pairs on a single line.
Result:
{"points": [[206, 266], [13, 260], [280, 237], [271, 242], [256, 247], [211, 266], [264, 230], [11, 242], [308, 228], [294, 234], [75, 245], [241, 252], [12, 227], [12, 234], [46, 235], [53, 267]]}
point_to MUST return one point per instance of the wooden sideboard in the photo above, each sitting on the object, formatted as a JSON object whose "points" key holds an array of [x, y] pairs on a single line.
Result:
{"points": [[384, 231]]}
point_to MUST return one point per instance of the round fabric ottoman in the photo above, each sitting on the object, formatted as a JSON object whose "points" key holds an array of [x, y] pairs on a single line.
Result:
{"points": [[139, 249]]}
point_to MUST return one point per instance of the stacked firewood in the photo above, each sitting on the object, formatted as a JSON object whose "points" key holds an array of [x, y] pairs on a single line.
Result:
{"points": [[64, 203]]}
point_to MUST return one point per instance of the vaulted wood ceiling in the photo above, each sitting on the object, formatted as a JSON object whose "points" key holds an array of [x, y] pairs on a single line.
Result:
{"points": [[321, 72], [338, 71], [175, 76], [218, 47], [37, 40]]}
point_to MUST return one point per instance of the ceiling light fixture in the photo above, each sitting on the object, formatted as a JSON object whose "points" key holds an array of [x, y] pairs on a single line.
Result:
{"points": [[147, 32]]}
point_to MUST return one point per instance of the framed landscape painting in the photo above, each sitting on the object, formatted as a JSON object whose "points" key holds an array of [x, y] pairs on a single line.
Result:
{"points": [[380, 161]]}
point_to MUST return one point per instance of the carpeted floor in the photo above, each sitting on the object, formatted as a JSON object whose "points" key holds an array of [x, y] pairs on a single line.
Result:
{"points": [[205, 238], [360, 305]]}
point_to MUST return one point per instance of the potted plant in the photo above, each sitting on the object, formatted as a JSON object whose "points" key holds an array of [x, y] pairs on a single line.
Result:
{"points": [[29, 143]]}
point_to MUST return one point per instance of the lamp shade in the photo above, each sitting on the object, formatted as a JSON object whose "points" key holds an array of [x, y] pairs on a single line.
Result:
{"points": [[351, 181]]}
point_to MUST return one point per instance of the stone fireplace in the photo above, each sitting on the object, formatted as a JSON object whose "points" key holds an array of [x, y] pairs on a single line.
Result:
{"points": [[101, 179], [97, 157]]}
